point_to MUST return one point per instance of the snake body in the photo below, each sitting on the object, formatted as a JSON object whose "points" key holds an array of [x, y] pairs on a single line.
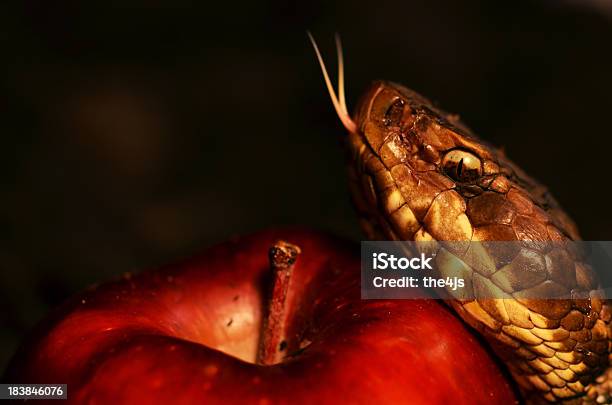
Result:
{"points": [[417, 173]]}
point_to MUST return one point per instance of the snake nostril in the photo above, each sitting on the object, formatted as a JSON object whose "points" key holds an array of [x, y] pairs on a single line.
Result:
{"points": [[393, 115]]}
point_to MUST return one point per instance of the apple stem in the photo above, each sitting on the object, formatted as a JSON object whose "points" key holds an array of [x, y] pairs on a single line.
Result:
{"points": [[282, 258]]}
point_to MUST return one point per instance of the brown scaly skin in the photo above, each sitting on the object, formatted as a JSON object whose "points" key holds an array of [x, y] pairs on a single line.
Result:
{"points": [[408, 185]]}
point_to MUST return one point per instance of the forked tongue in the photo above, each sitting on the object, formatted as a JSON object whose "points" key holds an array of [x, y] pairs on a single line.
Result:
{"points": [[338, 101]]}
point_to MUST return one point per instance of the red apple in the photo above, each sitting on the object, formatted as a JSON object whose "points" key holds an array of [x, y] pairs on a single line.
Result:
{"points": [[205, 331]]}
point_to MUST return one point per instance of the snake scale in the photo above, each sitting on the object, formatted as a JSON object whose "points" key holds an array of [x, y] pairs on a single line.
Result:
{"points": [[418, 173]]}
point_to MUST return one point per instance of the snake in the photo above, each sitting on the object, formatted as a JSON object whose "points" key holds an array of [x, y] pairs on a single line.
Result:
{"points": [[418, 173]]}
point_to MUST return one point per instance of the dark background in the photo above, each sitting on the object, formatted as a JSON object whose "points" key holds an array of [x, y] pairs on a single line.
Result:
{"points": [[133, 135]]}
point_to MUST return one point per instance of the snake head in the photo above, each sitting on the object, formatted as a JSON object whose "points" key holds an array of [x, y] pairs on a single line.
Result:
{"points": [[423, 174], [418, 173]]}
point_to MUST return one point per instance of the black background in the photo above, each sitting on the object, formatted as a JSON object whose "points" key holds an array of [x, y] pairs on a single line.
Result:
{"points": [[135, 134]]}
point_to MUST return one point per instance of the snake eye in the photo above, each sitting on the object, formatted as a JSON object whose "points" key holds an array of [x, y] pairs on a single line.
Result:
{"points": [[462, 166]]}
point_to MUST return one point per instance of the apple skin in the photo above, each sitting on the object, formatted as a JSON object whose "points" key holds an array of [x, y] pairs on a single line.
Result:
{"points": [[162, 337]]}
